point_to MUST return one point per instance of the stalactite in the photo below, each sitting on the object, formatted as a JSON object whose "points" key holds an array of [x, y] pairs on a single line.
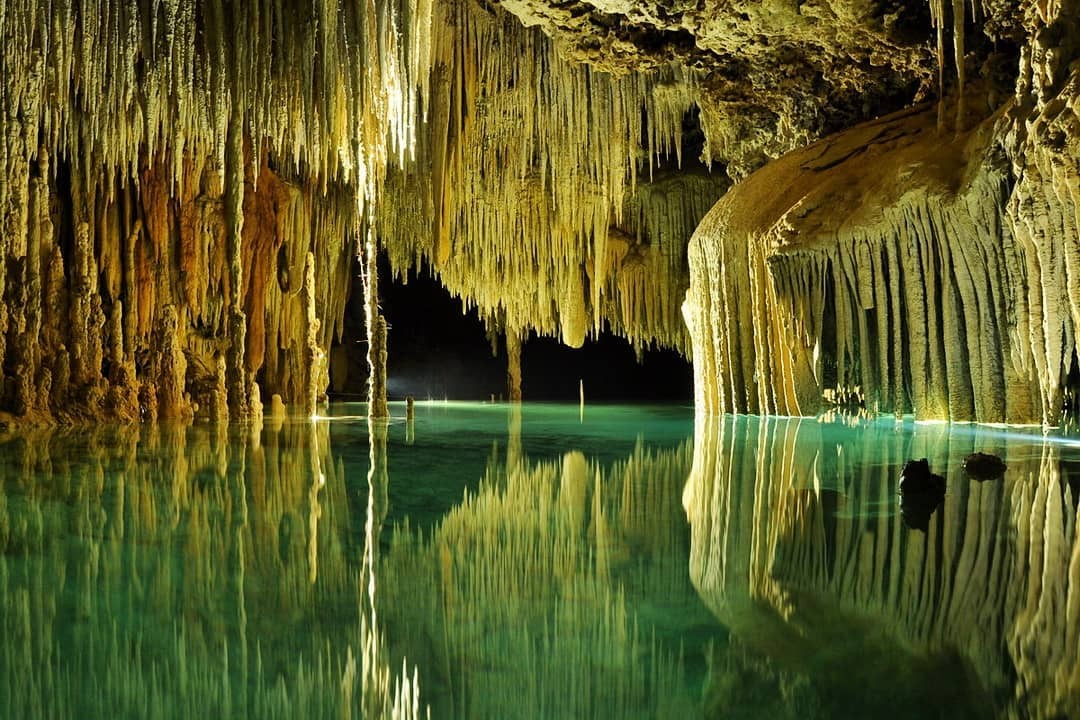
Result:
{"points": [[516, 192], [958, 10], [948, 299], [162, 123]]}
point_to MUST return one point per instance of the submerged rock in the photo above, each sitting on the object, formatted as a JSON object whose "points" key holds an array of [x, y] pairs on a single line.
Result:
{"points": [[921, 492], [984, 466]]}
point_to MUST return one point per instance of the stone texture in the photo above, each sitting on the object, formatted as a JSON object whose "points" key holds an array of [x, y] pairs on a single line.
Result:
{"points": [[903, 264]]}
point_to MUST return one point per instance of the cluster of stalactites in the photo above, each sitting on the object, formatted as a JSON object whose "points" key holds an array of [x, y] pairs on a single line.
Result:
{"points": [[952, 297], [149, 125], [520, 198], [334, 88]]}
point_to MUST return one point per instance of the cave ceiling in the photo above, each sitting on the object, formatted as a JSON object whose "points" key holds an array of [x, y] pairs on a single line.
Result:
{"points": [[772, 75]]}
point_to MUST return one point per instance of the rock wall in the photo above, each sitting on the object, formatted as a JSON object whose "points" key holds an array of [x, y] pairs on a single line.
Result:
{"points": [[166, 169], [924, 262], [129, 301]]}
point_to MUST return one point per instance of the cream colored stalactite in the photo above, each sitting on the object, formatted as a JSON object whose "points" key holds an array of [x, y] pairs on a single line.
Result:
{"points": [[981, 293], [524, 186]]}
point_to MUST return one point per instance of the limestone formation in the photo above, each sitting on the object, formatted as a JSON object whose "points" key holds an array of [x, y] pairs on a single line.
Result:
{"points": [[189, 156], [548, 162]]}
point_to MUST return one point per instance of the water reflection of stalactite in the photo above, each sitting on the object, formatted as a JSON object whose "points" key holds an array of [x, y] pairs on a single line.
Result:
{"points": [[525, 594], [513, 436], [385, 694], [798, 546], [170, 571]]}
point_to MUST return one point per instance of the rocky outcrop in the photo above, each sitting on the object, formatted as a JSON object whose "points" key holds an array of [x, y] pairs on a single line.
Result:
{"points": [[912, 265]]}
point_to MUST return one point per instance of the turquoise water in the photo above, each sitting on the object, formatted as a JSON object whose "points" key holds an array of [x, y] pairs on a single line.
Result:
{"points": [[482, 561]]}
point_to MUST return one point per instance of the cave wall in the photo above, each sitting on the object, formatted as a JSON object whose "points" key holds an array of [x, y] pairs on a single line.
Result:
{"points": [[181, 186], [924, 262], [122, 300]]}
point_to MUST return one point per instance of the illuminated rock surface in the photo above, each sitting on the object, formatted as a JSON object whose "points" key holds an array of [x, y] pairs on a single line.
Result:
{"points": [[186, 186], [923, 262]]}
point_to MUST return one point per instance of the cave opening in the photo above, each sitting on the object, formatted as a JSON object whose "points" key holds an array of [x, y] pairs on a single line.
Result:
{"points": [[437, 350]]}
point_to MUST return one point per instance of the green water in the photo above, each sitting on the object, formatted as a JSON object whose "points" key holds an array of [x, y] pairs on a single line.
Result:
{"points": [[486, 562]]}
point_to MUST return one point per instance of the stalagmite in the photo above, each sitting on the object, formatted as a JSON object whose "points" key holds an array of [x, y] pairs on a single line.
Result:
{"points": [[168, 377], [313, 356], [376, 331], [513, 365]]}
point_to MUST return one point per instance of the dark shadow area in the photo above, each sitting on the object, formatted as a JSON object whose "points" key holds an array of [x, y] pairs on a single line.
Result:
{"points": [[438, 351], [607, 368]]}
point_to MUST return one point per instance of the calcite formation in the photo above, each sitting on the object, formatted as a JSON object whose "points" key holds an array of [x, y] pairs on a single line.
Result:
{"points": [[906, 265], [180, 182], [185, 188]]}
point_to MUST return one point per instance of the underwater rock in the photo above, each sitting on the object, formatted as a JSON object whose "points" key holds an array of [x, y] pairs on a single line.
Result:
{"points": [[921, 492], [984, 466]]}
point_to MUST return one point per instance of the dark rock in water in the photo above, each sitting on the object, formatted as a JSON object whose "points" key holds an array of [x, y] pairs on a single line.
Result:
{"points": [[917, 478], [984, 466], [921, 492]]}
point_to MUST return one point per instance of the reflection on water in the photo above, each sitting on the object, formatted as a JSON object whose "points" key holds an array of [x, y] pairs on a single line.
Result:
{"points": [[184, 572], [842, 609], [495, 562], [528, 587], [263, 572]]}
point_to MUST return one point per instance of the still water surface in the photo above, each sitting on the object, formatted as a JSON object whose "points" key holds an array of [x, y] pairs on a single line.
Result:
{"points": [[483, 561]]}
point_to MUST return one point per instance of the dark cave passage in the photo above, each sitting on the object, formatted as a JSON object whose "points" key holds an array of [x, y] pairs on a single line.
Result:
{"points": [[437, 351]]}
